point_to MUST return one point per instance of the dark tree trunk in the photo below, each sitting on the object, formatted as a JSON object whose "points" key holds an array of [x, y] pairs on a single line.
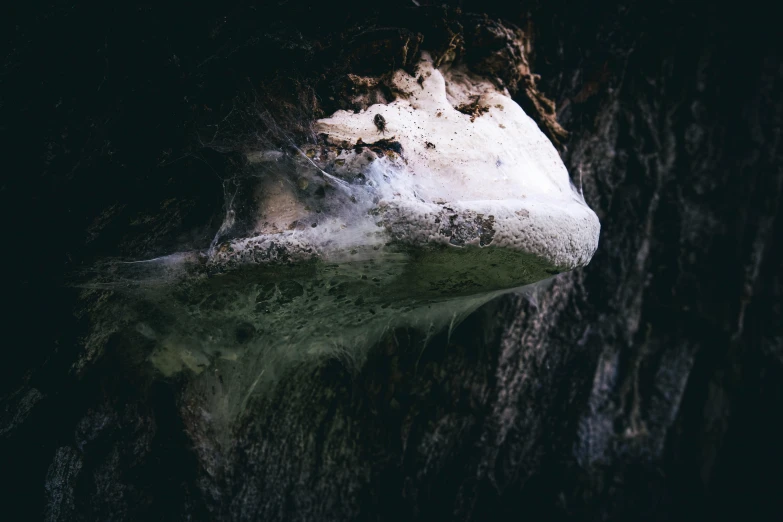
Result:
{"points": [[646, 386]]}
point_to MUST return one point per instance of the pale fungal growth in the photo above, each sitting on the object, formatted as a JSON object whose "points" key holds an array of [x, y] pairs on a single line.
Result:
{"points": [[410, 213], [468, 150], [452, 161]]}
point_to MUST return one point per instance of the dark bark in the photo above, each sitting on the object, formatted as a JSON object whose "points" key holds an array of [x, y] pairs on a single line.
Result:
{"points": [[646, 386]]}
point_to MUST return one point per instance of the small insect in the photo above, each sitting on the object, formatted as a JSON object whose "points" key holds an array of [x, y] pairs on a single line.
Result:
{"points": [[380, 122]]}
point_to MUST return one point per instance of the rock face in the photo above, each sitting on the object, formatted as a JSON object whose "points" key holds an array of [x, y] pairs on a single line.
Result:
{"points": [[645, 386]]}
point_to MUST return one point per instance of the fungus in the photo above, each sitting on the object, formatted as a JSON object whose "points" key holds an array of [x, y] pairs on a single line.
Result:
{"points": [[463, 199]]}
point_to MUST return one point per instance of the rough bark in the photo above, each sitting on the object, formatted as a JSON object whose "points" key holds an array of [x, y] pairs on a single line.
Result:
{"points": [[646, 386]]}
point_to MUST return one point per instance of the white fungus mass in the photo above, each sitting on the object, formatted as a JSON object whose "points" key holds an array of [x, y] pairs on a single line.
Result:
{"points": [[411, 213]]}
